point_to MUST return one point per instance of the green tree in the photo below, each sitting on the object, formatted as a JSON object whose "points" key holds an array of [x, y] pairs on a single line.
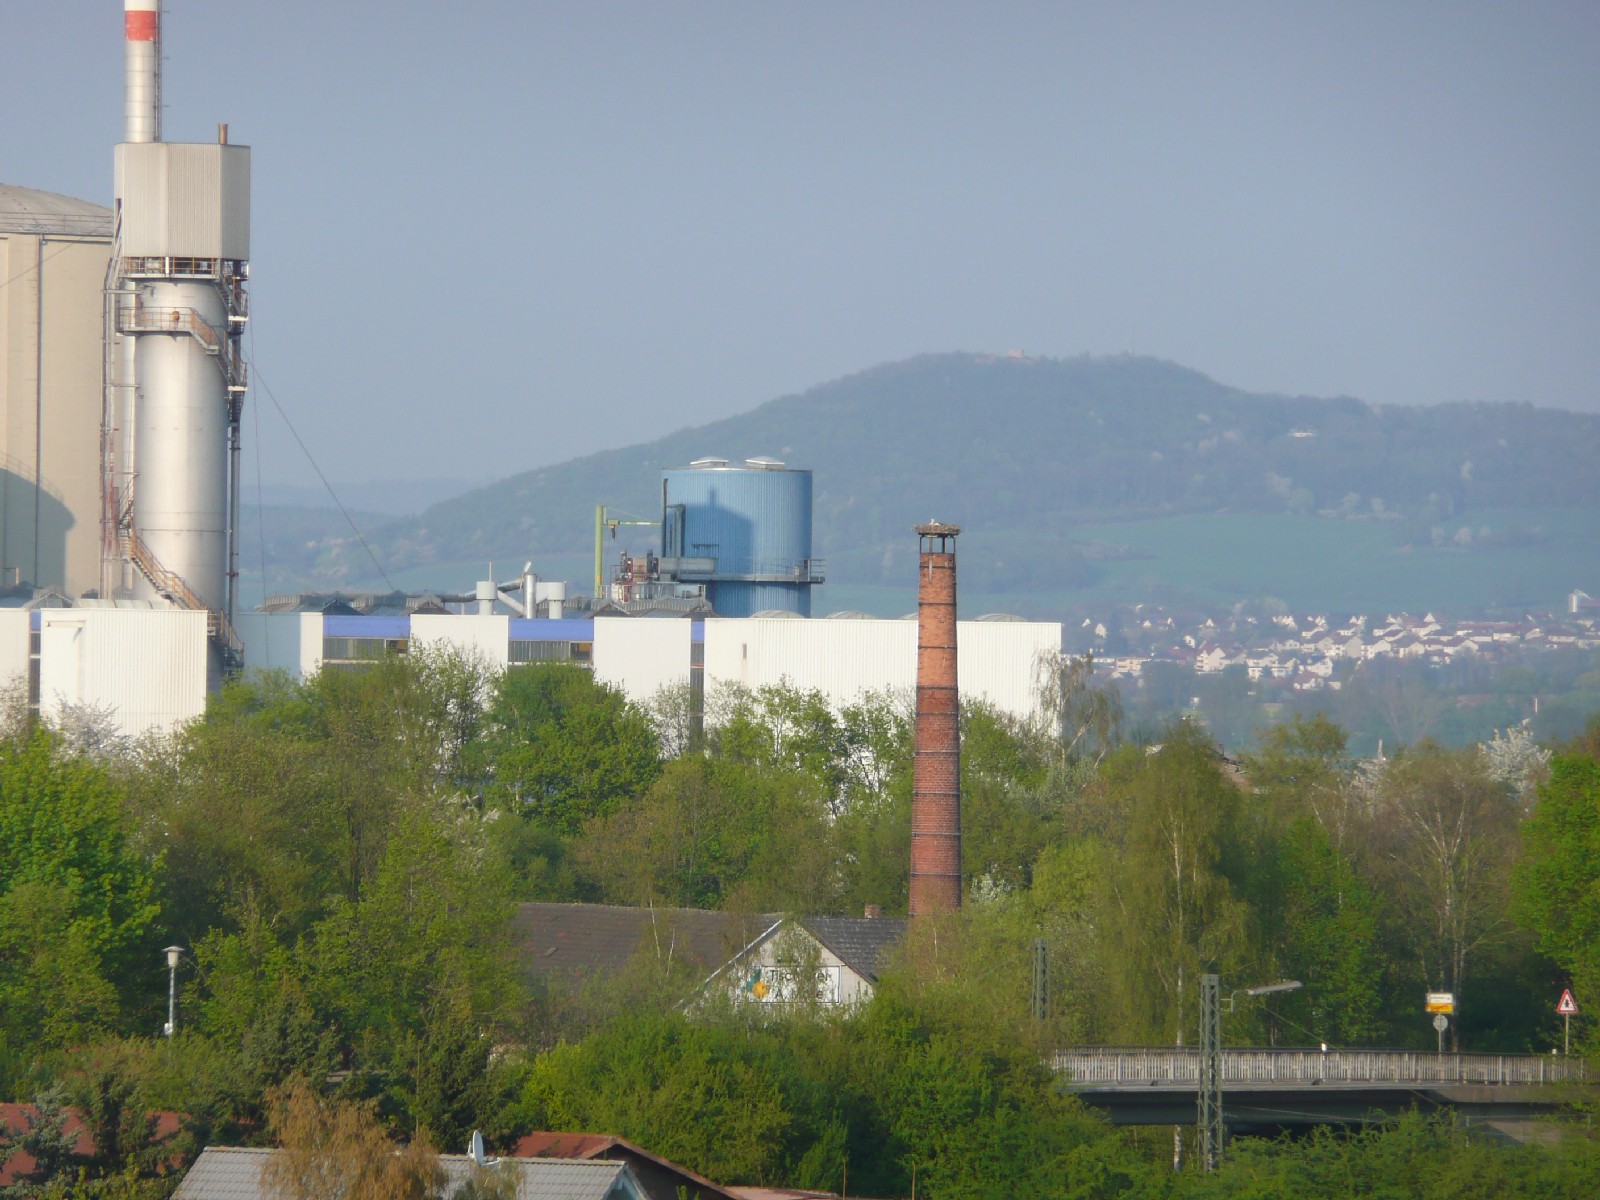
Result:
{"points": [[1323, 922], [638, 1077], [257, 1001], [781, 728], [1557, 890], [43, 1137], [453, 1089], [1303, 765], [1007, 811], [561, 747], [1173, 909], [1441, 845], [284, 797], [1084, 717], [434, 922], [711, 830], [872, 832], [77, 908]]}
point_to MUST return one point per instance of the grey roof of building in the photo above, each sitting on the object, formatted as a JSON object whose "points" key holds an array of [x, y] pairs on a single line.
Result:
{"points": [[863, 944], [579, 941], [28, 210], [234, 1173], [584, 940], [224, 1173]]}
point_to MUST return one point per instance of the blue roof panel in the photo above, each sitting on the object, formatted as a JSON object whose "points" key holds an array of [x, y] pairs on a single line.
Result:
{"points": [[538, 629], [366, 627]]}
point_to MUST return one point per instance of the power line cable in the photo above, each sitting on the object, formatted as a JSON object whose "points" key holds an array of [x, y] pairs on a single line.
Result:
{"points": [[261, 381], [1321, 1041], [32, 267]]}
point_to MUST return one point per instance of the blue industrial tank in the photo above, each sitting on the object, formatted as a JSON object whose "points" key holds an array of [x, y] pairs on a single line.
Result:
{"points": [[742, 529]]}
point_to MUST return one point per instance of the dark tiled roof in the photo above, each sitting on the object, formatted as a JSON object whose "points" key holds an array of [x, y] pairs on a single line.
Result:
{"points": [[584, 940], [862, 943]]}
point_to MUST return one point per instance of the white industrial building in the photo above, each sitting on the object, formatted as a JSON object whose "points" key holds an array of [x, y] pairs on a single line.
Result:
{"points": [[144, 669], [138, 669], [841, 658], [121, 385], [121, 373]]}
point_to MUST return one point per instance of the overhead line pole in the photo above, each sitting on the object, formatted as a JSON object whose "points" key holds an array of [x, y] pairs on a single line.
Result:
{"points": [[1208, 1116]]}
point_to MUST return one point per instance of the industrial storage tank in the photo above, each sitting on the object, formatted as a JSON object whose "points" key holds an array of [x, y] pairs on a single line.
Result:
{"points": [[53, 255], [742, 529]]}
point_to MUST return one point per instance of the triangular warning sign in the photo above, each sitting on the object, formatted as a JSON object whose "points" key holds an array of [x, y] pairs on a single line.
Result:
{"points": [[1566, 1006]]}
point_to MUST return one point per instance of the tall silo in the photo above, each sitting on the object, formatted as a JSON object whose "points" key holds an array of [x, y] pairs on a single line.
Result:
{"points": [[53, 255], [742, 529], [177, 379]]}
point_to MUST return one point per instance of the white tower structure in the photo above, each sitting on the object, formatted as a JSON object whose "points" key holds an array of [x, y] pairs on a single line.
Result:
{"points": [[176, 307]]}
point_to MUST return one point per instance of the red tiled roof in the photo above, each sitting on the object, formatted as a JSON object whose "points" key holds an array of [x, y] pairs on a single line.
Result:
{"points": [[662, 1178]]}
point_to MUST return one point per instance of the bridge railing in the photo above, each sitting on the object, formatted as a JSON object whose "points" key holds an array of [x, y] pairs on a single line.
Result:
{"points": [[1110, 1066]]}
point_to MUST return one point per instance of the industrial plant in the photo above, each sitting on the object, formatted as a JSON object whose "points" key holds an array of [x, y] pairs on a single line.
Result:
{"points": [[122, 383], [128, 492]]}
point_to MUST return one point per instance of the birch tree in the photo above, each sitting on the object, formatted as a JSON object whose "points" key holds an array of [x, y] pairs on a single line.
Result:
{"points": [[1173, 910], [1444, 839]]}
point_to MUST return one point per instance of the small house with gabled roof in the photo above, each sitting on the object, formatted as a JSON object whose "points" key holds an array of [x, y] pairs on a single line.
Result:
{"points": [[768, 958]]}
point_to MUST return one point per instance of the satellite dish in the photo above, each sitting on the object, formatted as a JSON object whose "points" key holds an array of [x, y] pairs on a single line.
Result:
{"points": [[477, 1154]]}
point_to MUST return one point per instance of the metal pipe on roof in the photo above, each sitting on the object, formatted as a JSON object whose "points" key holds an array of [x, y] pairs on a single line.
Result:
{"points": [[553, 596]]}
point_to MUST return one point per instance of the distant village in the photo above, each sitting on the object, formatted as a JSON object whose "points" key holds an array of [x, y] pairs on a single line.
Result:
{"points": [[1303, 651]]}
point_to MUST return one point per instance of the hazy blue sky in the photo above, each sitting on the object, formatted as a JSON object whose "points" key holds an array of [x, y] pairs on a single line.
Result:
{"points": [[494, 235]]}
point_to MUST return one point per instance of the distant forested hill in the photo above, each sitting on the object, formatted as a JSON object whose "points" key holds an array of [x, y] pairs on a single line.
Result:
{"points": [[1027, 453]]}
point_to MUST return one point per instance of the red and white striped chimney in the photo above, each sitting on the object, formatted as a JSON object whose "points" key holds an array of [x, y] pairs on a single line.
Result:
{"points": [[141, 106], [936, 767]]}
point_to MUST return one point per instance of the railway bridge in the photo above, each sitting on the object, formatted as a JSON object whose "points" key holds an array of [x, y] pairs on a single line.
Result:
{"points": [[1268, 1090]]}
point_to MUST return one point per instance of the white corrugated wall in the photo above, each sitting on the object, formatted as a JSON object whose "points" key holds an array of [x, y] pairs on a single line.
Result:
{"points": [[844, 659], [841, 659], [190, 199], [14, 648], [289, 642], [996, 661], [144, 667], [641, 655], [473, 634]]}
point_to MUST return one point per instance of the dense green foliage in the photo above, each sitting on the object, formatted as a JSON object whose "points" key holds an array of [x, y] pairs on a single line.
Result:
{"points": [[342, 856], [1559, 878], [77, 902]]}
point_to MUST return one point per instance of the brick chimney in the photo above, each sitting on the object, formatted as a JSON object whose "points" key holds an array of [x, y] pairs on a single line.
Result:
{"points": [[936, 770]]}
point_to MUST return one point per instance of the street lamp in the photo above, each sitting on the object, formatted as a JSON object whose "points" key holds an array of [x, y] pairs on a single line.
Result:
{"points": [[173, 953], [1208, 1098]]}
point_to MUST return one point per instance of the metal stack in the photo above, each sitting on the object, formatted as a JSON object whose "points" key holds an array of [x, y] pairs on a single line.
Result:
{"points": [[176, 309]]}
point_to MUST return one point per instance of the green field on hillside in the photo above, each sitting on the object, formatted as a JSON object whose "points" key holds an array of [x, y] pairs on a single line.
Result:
{"points": [[1304, 563]]}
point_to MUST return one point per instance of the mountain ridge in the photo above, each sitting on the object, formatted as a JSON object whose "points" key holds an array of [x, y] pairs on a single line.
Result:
{"points": [[1029, 448]]}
